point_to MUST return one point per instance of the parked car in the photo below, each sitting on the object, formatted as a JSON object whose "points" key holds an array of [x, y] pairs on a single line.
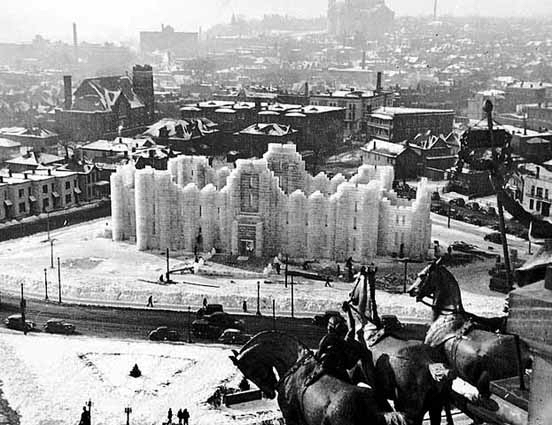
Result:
{"points": [[212, 325], [322, 319], [234, 336], [494, 237], [209, 309], [474, 206], [163, 333], [16, 322], [460, 202], [59, 326]]}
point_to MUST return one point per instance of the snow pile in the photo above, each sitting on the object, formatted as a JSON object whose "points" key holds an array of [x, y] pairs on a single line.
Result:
{"points": [[51, 384]]}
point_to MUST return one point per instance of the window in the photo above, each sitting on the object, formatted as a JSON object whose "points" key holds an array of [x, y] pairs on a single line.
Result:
{"points": [[531, 204], [403, 219], [532, 190], [53, 187], [356, 206], [68, 198], [22, 207], [546, 193], [21, 193], [396, 219], [354, 223], [539, 192], [30, 193], [538, 205], [45, 203], [45, 188], [200, 211], [67, 185]]}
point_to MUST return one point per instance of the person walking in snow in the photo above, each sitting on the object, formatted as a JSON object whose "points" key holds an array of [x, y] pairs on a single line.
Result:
{"points": [[185, 416], [150, 301], [179, 416], [169, 416]]}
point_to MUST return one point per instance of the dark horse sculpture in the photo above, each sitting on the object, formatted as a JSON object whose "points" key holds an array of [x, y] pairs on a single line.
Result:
{"points": [[407, 371], [474, 346], [279, 364]]}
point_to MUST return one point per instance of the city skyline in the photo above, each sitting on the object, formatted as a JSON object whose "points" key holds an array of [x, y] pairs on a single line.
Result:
{"points": [[123, 20]]}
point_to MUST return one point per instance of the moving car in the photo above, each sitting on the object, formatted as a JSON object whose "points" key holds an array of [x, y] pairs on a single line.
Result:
{"points": [[59, 326], [234, 336], [495, 237], [163, 333], [212, 325], [16, 322], [322, 319]]}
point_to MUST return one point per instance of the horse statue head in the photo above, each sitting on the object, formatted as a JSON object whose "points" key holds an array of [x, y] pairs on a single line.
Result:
{"points": [[435, 281], [267, 357]]}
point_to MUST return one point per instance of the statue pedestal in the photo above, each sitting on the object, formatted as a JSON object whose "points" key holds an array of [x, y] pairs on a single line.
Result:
{"points": [[531, 318]]}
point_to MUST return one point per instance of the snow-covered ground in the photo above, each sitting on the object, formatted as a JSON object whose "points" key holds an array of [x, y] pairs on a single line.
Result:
{"points": [[47, 379], [95, 268]]}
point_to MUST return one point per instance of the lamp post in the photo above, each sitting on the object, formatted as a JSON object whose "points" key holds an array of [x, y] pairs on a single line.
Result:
{"points": [[51, 253], [274, 314], [23, 304], [128, 411], [258, 298], [189, 325], [59, 280], [449, 210], [46, 284]]}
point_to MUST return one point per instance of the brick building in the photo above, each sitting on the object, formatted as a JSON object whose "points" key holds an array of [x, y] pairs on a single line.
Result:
{"points": [[358, 105], [398, 124], [107, 106]]}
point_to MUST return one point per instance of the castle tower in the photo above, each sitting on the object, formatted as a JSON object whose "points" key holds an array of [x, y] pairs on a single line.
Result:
{"points": [[142, 78]]}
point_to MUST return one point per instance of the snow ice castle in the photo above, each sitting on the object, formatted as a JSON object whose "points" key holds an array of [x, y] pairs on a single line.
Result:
{"points": [[267, 206]]}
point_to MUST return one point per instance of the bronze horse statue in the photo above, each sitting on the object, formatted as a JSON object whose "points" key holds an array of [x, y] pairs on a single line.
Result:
{"points": [[475, 347], [281, 365], [407, 371]]}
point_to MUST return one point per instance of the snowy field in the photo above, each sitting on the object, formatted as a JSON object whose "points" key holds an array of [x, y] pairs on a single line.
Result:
{"points": [[93, 268], [47, 379]]}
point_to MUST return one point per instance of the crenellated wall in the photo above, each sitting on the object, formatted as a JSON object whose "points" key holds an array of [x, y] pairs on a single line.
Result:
{"points": [[246, 211]]}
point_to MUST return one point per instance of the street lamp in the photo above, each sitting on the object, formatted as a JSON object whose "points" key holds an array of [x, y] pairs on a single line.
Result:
{"points": [[189, 326]]}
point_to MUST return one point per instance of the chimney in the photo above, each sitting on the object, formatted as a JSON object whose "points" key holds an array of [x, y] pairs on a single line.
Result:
{"points": [[25, 176], [68, 92], [548, 278], [363, 64], [49, 171], [378, 81]]}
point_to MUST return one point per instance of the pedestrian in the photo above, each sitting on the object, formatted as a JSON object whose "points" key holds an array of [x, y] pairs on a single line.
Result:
{"points": [[185, 416], [169, 416], [204, 302], [338, 269], [150, 301], [244, 306], [277, 267], [85, 417], [349, 265], [179, 416], [327, 284]]}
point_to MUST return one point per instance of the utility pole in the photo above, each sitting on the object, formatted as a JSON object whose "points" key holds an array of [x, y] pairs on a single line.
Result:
{"points": [[46, 284], [258, 298], [449, 210], [59, 280], [498, 186], [23, 305], [48, 223], [128, 411], [286, 272]]}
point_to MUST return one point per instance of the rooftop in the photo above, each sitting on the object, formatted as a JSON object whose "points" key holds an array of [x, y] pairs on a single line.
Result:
{"points": [[271, 129], [384, 148], [392, 111]]}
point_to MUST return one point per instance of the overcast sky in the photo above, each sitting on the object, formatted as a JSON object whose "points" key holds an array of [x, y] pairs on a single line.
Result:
{"points": [[101, 20]]}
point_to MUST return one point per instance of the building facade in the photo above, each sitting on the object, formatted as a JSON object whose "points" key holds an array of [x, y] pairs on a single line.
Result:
{"points": [[267, 206], [537, 190], [398, 124], [105, 107], [168, 40], [367, 19]]}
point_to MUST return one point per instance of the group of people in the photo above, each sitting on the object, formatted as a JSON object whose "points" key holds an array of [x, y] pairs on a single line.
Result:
{"points": [[183, 416]]}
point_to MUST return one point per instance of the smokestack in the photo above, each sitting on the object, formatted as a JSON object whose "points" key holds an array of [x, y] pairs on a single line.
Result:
{"points": [[68, 92], [378, 81], [363, 65], [75, 39], [435, 10]]}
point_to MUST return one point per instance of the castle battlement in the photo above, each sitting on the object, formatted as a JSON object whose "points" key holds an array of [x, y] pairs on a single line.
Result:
{"points": [[266, 206]]}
